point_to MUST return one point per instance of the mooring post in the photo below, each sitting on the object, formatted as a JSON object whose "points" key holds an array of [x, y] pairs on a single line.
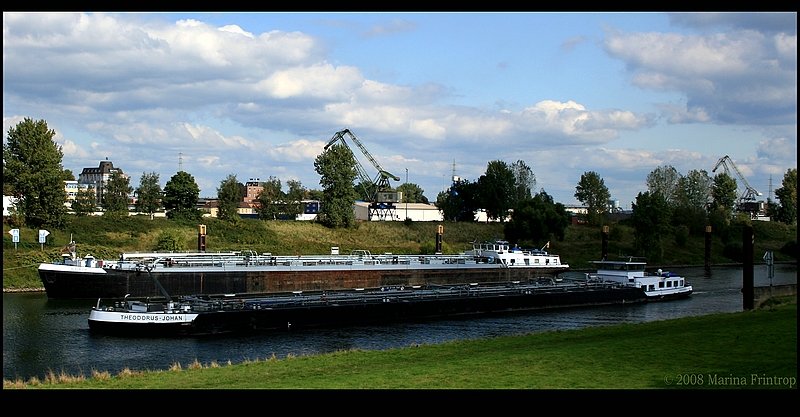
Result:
{"points": [[439, 233], [604, 246], [201, 238], [747, 267], [708, 251]]}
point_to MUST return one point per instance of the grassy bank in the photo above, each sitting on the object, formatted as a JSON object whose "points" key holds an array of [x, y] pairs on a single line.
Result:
{"points": [[748, 350], [106, 238]]}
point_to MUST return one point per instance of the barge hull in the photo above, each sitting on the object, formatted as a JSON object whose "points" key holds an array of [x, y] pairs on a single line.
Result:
{"points": [[326, 313], [242, 280]]}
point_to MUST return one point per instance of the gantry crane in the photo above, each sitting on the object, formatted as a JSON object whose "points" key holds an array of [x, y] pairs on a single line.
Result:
{"points": [[380, 195], [750, 193], [747, 200]]}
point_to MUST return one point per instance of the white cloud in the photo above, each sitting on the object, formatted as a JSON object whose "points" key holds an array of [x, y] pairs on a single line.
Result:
{"points": [[295, 151], [739, 77], [321, 81]]}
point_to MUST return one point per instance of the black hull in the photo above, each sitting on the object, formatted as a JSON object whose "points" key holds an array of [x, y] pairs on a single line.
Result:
{"points": [[287, 318], [118, 283]]}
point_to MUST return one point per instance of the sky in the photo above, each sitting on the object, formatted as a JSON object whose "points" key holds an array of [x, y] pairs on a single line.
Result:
{"points": [[428, 94]]}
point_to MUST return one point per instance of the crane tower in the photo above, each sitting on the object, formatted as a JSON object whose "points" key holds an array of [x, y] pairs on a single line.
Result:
{"points": [[747, 199], [381, 196]]}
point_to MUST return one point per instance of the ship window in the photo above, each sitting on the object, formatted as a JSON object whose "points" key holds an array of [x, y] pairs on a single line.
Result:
{"points": [[651, 287], [669, 284], [536, 261], [680, 283], [527, 261], [661, 284]]}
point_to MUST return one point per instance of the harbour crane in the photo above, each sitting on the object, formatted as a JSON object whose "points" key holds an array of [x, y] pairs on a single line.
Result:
{"points": [[750, 193], [380, 195]]}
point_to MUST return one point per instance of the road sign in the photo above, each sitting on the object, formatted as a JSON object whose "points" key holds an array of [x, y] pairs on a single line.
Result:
{"points": [[14, 235], [43, 236]]}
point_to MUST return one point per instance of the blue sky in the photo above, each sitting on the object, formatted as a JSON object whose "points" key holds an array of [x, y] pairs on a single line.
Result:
{"points": [[258, 95]]}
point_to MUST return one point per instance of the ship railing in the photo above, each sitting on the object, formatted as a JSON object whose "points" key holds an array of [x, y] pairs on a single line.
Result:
{"points": [[167, 259]]}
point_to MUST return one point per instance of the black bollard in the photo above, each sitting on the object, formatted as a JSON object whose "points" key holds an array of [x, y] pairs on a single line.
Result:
{"points": [[708, 251], [747, 267]]}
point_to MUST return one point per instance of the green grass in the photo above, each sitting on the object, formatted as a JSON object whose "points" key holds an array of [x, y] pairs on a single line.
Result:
{"points": [[704, 350], [108, 237]]}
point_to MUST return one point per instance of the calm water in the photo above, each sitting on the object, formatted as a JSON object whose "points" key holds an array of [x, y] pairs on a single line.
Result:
{"points": [[41, 335]]}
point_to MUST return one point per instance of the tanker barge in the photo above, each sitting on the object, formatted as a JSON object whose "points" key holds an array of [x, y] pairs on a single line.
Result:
{"points": [[207, 273], [212, 315]]}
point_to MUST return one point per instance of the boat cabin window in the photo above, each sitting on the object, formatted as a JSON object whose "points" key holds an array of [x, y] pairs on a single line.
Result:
{"points": [[651, 287], [527, 261], [680, 283], [661, 284], [669, 284]]}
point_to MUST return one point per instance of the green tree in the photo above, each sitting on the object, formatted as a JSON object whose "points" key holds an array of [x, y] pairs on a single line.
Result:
{"points": [[650, 220], [460, 202], [693, 197], [496, 190], [314, 194], [67, 175], [337, 169], [723, 194], [116, 194], [365, 190], [536, 220], [412, 193], [229, 197], [32, 172], [85, 202], [270, 199], [180, 197], [524, 181], [664, 180], [294, 199], [148, 193], [593, 193], [787, 194]]}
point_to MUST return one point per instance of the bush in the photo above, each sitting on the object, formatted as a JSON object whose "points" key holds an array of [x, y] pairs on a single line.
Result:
{"points": [[790, 249], [681, 235], [429, 248], [170, 241], [733, 251]]}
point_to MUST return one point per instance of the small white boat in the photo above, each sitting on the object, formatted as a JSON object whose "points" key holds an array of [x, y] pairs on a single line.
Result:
{"points": [[657, 286]]}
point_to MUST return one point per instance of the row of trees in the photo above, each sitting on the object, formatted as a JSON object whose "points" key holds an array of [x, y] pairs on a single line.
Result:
{"points": [[33, 173]]}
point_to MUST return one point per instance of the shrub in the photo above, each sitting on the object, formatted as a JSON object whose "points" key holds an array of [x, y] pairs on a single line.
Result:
{"points": [[169, 241]]}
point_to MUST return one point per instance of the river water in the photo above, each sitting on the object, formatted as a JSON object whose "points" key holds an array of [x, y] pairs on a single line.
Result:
{"points": [[42, 336]]}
